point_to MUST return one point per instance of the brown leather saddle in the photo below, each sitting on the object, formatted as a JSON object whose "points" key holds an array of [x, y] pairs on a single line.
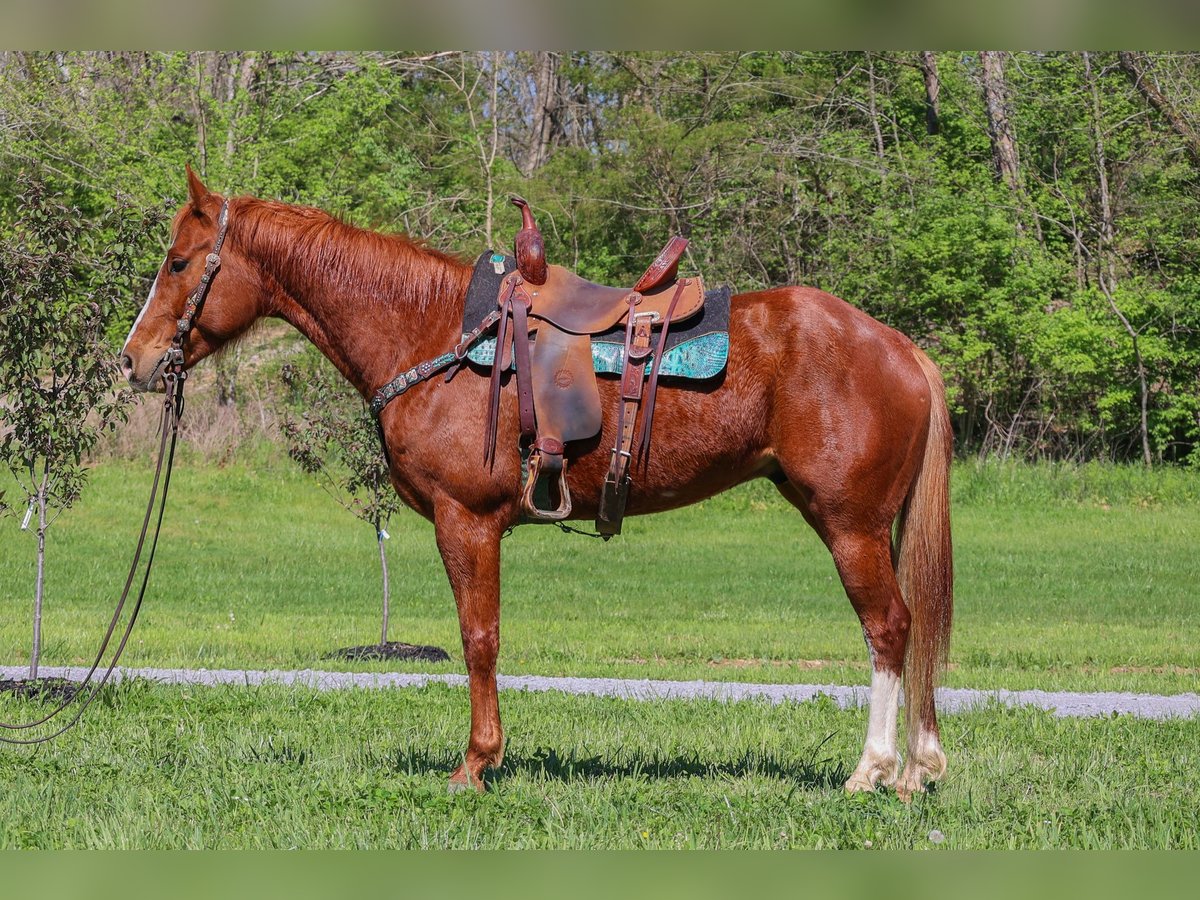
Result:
{"points": [[547, 317]]}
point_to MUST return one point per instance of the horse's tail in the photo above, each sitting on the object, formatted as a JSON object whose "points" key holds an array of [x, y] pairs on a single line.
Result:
{"points": [[924, 566]]}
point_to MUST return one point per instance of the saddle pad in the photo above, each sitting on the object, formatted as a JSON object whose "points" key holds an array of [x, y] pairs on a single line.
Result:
{"points": [[701, 357], [696, 350]]}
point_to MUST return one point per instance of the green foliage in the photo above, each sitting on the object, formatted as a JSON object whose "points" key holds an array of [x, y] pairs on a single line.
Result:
{"points": [[331, 434], [63, 277], [781, 167]]}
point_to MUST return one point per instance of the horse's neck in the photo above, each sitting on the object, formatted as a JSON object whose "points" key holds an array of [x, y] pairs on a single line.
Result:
{"points": [[372, 314]]}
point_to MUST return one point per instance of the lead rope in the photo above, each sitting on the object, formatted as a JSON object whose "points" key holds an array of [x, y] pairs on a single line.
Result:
{"points": [[172, 411], [169, 421]]}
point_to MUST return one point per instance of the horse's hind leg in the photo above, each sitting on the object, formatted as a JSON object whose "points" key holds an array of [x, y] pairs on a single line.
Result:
{"points": [[470, 548], [864, 562]]}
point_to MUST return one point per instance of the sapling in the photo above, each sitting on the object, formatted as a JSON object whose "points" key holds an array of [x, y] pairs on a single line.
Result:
{"points": [[332, 436], [64, 280]]}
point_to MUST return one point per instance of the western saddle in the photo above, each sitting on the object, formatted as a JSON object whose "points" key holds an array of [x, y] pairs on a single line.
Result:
{"points": [[547, 317]]}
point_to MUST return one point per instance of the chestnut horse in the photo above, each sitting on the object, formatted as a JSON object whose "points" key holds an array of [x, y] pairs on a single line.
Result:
{"points": [[846, 416]]}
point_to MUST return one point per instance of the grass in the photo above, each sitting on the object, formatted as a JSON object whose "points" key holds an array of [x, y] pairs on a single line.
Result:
{"points": [[1066, 579], [165, 767]]}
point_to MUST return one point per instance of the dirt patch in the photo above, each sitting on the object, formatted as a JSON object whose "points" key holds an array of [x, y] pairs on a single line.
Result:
{"points": [[391, 650], [47, 690], [1154, 670], [753, 663], [780, 663]]}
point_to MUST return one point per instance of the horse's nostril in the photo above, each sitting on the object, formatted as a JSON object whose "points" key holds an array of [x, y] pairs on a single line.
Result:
{"points": [[126, 366]]}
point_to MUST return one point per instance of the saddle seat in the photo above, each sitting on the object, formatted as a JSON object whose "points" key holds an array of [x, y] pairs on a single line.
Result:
{"points": [[553, 314], [574, 304], [577, 306]]}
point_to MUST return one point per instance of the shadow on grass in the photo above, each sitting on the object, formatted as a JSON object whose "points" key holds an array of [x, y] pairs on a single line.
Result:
{"points": [[544, 763]]}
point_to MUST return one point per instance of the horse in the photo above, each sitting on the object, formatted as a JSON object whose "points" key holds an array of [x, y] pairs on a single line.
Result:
{"points": [[846, 416]]}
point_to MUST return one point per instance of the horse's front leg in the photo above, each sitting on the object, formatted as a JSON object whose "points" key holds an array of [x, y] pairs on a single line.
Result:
{"points": [[470, 548]]}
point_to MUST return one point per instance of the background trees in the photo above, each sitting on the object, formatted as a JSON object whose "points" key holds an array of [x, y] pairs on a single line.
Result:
{"points": [[1029, 218]]}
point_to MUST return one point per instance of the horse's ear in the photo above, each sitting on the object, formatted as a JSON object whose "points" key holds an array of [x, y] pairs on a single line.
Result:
{"points": [[196, 189]]}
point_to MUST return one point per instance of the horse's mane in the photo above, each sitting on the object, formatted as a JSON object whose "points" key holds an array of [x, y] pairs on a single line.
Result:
{"points": [[304, 244]]}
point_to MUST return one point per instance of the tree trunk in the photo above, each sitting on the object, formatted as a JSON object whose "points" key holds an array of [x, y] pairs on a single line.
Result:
{"points": [[35, 653], [995, 96], [1108, 270], [488, 158], [1106, 215], [549, 109], [1145, 85], [227, 368], [383, 635], [873, 107], [933, 115], [198, 110], [235, 96]]}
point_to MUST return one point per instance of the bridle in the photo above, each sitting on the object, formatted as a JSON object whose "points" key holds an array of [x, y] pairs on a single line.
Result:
{"points": [[170, 369], [172, 359]]}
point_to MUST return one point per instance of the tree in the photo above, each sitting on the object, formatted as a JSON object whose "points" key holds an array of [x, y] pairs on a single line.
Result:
{"points": [[929, 75], [1143, 80], [1106, 276], [995, 97], [332, 436], [62, 281], [991, 244]]}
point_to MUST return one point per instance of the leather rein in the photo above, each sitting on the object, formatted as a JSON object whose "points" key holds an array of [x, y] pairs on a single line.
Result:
{"points": [[170, 367]]}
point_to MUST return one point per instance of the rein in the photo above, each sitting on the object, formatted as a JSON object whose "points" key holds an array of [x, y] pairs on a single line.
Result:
{"points": [[174, 376]]}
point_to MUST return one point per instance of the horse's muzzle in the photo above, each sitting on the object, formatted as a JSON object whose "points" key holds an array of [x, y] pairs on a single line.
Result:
{"points": [[154, 382]]}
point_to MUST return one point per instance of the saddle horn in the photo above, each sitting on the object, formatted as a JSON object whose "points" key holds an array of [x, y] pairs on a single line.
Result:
{"points": [[529, 248]]}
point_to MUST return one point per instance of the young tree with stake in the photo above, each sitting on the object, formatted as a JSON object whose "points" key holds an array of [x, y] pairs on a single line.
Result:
{"points": [[63, 280], [332, 437]]}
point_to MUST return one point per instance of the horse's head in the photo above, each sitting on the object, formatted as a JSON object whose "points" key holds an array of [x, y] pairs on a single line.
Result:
{"points": [[230, 307]]}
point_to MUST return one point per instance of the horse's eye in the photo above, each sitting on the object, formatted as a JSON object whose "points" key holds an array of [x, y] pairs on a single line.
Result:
{"points": [[178, 265]]}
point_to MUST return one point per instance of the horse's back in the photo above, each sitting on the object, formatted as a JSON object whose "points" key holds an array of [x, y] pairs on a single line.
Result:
{"points": [[820, 332], [809, 376]]}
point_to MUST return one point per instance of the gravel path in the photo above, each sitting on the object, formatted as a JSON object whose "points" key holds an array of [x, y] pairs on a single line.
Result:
{"points": [[1061, 703]]}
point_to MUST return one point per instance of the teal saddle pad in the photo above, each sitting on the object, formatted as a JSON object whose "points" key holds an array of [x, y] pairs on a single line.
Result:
{"points": [[696, 349]]}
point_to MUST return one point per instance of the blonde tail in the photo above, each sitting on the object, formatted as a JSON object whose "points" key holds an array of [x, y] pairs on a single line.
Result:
{"points": [[924, 566]]}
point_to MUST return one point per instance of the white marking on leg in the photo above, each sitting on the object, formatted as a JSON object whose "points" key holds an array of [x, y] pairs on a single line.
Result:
{"points": [[140, 315], [880, 760], [885, 707]]}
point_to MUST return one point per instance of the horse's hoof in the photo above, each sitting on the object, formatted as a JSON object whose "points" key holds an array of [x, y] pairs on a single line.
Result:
{"points": [[905, 788], [463, 781], [874, 769], [925, 764], [913, 782], [856, 784]]}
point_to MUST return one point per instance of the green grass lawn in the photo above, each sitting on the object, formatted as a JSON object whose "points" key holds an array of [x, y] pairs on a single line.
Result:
{"points": [[1066, 579], [1071, 579], [277, 767]]}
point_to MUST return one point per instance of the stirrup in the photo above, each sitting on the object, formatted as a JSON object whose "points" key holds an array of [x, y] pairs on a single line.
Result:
{"points": [[529, 505]]}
